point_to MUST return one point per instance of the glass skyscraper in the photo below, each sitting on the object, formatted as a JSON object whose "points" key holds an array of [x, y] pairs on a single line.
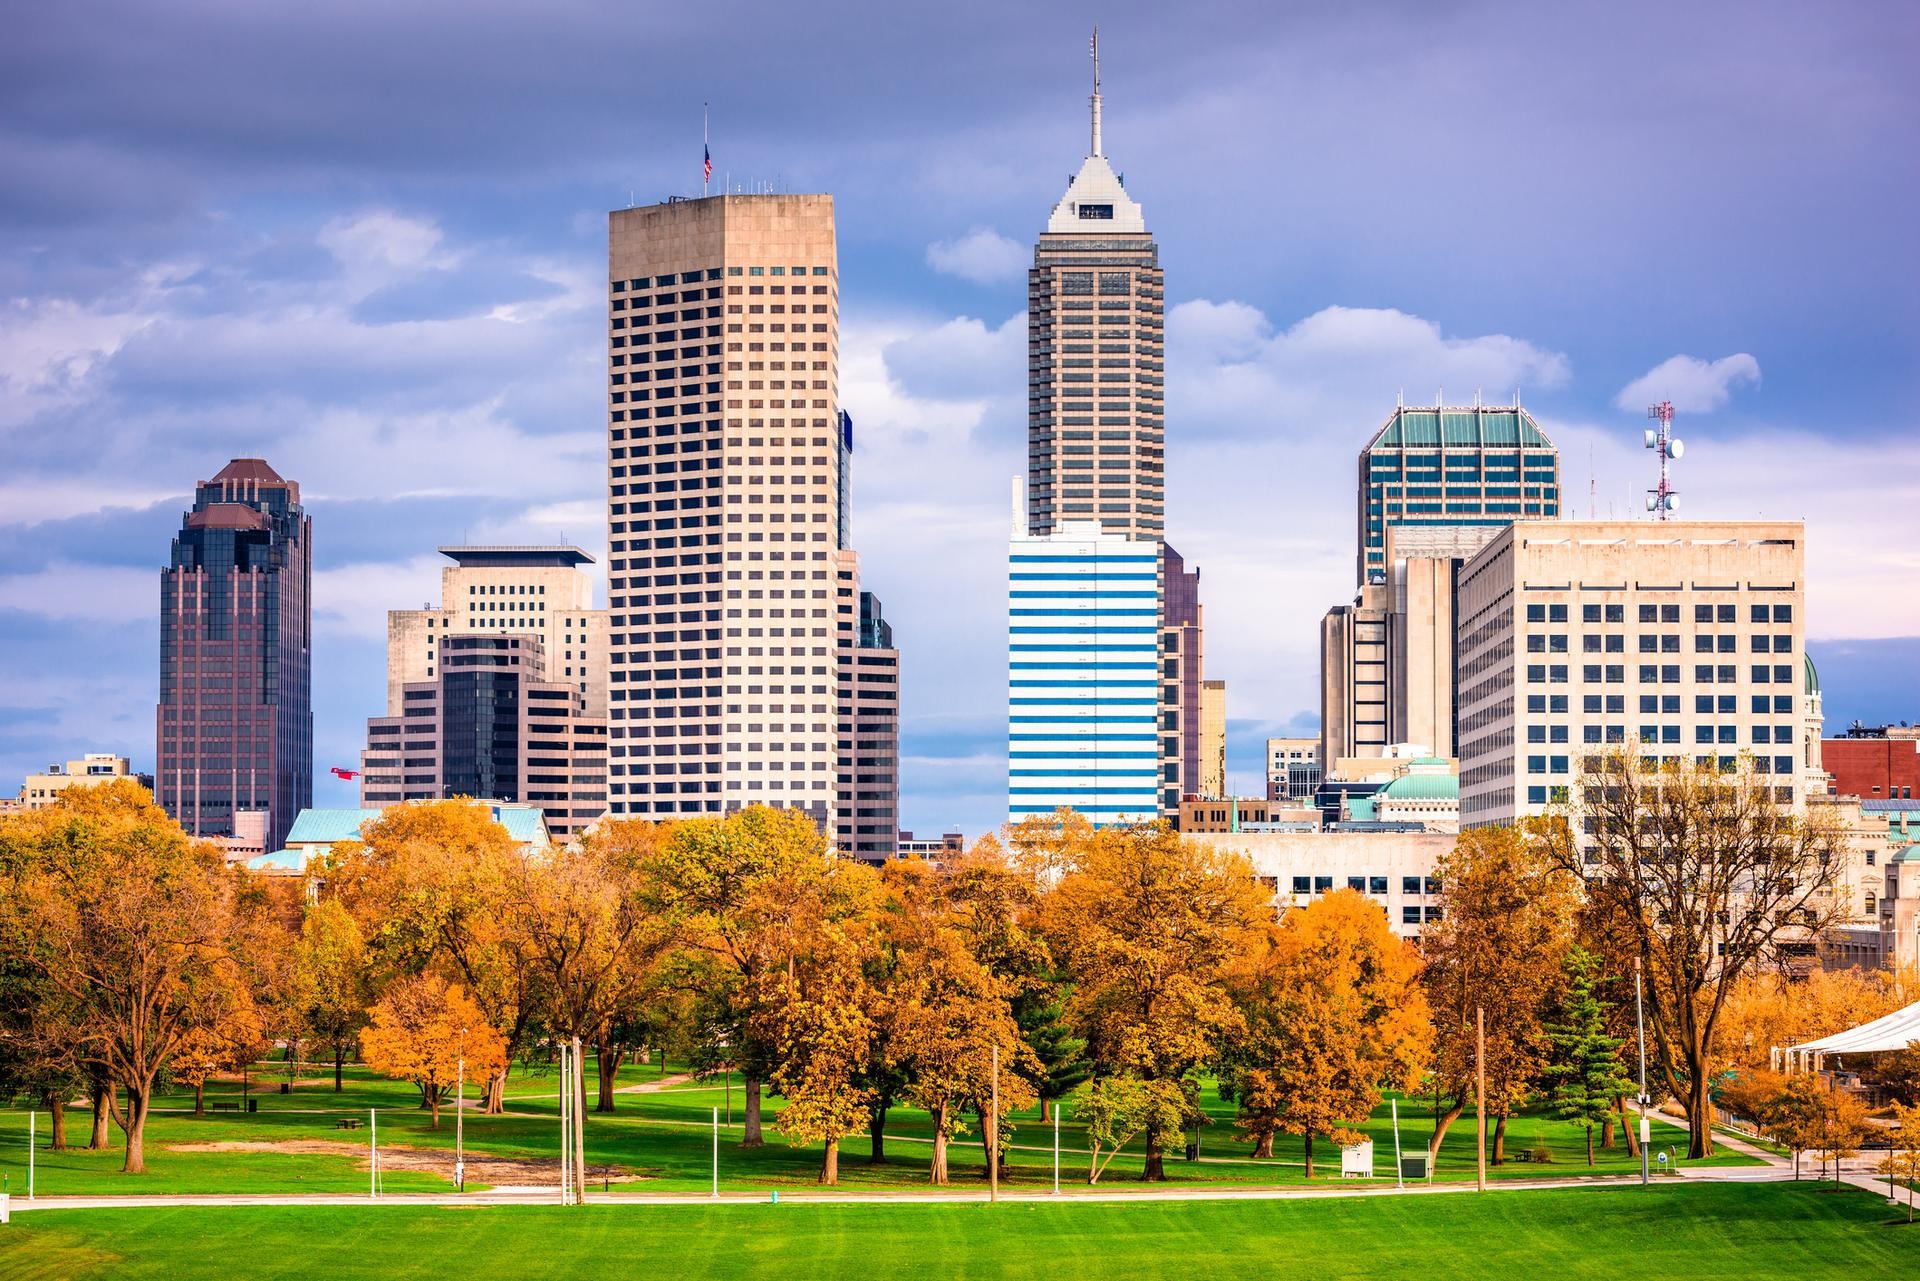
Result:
{"points": [[234, 728]]}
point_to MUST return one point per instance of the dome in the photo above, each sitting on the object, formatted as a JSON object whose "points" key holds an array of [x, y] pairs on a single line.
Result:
{"points": [[1812, 676], [1423, 787]]}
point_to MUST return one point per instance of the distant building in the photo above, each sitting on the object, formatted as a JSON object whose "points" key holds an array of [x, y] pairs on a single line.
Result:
{"points": [[1685, 638], [1213, 738], [234, 727], [1875, 764], [946, 846], [1394, 869], [1293, 768], [1083, 676], [1246, 814], [1425, 792], [316, 831], [1453, 465], [867, 716], [43, 789]]}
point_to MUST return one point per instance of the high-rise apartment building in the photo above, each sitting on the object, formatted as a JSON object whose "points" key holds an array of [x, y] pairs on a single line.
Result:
{"points": [[234, 726], [1453, 465], [1683, 639], [1083, 676], [1096, 401], [500, 693], [727, 500]]}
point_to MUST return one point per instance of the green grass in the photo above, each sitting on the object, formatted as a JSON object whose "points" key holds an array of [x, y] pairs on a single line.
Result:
{"points": [[1702, 1232], [664, 1137]]}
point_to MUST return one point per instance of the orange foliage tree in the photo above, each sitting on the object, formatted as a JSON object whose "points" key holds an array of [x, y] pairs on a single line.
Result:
{"points": [[426, 1030]]}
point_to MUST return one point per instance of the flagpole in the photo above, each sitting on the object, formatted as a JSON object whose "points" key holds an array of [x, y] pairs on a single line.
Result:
{"points": [[706, 162]]}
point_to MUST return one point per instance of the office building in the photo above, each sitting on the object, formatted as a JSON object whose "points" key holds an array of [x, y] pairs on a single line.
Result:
{"points": [[1293, 768], [316, 831], [491, 695], [1682, 638], [1096, 402], [234, 726], [1182, 680], [1875, 763], [1083, 676], [867, 764], [731, 629], [1213, 738], [1395, 869], [1473, 465], [43, 789], [487, 591]]}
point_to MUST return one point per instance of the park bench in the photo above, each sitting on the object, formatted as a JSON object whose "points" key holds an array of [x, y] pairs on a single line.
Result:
{"points": [[347, 1123]]}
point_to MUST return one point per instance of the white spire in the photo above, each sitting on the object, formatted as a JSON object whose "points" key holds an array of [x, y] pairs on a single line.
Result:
{"points": [[1096, 90]]}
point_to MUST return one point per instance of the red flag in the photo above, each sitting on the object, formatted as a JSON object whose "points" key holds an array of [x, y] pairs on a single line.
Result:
{"points": [[348, 774]]}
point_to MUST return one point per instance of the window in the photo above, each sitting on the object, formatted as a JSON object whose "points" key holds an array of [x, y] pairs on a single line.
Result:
{"points": [[1321, 884], [1556, 613], [1536, 613], [1357, 883], [1376, 885], [1783, 613], [1303, 885], [1761, 613], [1409, 885], [1589, 613], [1616, 613], [1649, 613], [1410, 914]]}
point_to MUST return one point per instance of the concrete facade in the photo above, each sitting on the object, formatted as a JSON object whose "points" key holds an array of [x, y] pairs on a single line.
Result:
{"points": [[1213, 738], [1576, 637], [43, 789], [1293, 768], [1873, 765], [1395, 869]]}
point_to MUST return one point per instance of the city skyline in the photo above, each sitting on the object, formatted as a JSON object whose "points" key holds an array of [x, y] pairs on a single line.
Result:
{"points": [[423, 350]]}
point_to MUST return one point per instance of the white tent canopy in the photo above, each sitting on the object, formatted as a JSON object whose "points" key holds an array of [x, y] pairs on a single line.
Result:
{"points": [[1895, 1031]]}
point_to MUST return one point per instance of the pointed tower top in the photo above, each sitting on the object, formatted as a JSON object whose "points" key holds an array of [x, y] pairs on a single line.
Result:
{"points": [[1096, 90]]}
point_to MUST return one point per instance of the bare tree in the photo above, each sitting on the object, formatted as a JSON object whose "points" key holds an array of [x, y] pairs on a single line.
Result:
{"points": [[1703, 873]]}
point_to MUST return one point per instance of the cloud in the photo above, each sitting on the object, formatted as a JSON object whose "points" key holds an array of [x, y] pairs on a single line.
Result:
{"points": [[983, 256], [83, 593], [353, 600], [1693, 385]]}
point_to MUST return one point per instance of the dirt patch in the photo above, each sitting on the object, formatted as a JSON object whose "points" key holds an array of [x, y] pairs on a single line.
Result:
{"points": [[499, 1171]]}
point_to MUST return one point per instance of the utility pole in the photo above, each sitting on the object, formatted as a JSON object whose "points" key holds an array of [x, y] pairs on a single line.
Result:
{"points": [[460, 1114], [1480, 1093], [993, 1133], [1640, 1035], [579, 1088]]}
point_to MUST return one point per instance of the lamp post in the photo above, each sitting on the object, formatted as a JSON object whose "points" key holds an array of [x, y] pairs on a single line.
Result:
{"points": [[460, 1114], [1640, 1035]]}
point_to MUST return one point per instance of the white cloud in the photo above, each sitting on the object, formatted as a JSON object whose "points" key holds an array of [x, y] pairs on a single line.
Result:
{"points": [[983, 256], [379, 245], [83, 593], [1693, 385], [353, 600]]}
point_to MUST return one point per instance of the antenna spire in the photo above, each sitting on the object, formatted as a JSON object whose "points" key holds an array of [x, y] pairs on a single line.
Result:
{"points": [[1662, 500], [1095, 46]]}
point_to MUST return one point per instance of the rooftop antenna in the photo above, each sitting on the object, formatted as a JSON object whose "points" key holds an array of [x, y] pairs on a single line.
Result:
{"points": [[1593, 485], [1095, 46], [1663, 501], [706, 156], [1019, 513]]}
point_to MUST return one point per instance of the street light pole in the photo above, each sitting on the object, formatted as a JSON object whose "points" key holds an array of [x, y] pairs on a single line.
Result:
{"points": [[993, 1133], [1480, 1094], [460, 1114], [1640, 1035]]}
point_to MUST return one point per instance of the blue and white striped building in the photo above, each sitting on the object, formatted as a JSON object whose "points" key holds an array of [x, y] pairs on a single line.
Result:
{"points": [[1083, 632]]}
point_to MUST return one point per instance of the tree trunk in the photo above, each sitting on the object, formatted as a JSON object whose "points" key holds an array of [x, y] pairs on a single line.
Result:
{"points": [[939, 1170], [1699, 1116], [1499, 1140], [1589, 1146], [1606, 1132], [496, 1103], [1453, 1113], [57, 1105], [1309, 1138], [750, 1119], [426, 1097], [1626, 1124], [830, 1165], [606, 1060], [339, 1058], [200, 1097], [433, 1100], [133, 1123], [877, 1131], [102, 1109], [1263, 1145], [1046, 1110]]}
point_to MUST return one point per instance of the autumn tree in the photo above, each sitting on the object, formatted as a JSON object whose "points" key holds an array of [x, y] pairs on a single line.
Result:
{"points": [[331, 986], [1707, 875], [1146, 925], [1771, 1007], [430, 1032], [133, 925], [1584, 1070], [434, 888], [1796, 1115], [1115, 1110], [1507, 923], [725, 886], [1335, 1014], [212, 1048]]}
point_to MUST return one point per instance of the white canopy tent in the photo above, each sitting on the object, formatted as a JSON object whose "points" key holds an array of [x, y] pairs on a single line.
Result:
{"points": [[1895, 1031]]}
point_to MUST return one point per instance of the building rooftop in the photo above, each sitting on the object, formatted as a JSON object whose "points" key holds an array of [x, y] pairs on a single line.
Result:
{"points": [[502, 556], [254, 469], [1466, 426], [329, 826], [1421, 787], [228, 516]]}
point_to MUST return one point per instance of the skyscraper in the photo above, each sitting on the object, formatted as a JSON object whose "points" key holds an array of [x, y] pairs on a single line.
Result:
{"points": [[234, 727], [499, 694], [726, 508], [1096, 326]]}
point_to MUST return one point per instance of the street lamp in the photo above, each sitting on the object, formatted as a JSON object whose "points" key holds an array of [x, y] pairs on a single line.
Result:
{"points": [[460, 1114]]}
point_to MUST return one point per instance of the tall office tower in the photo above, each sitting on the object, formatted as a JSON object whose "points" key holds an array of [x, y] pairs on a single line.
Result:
{"points": [[1083, 675], [491, 590], [1096, 427], [499, 694], [1182, 678], [726, 463], [1473, 465], [868, 744], [1213, 739], [1682, 638], [234, 727]]}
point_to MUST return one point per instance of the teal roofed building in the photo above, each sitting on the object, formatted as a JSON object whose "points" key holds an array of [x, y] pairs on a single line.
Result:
{"points": [[1474, 465], [315, 831]]}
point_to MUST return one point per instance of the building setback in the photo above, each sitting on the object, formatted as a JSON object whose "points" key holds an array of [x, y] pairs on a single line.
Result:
{"points": [[234, 725], [493, 695], [1683, 639], [726, 511]]}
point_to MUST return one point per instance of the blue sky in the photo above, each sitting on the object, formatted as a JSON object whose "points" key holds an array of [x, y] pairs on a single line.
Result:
{"points": [[366, 241]]}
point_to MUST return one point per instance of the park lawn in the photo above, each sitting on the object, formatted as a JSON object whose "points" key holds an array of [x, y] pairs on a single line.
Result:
{"points": [[662, 1139], [1705, 1232]]}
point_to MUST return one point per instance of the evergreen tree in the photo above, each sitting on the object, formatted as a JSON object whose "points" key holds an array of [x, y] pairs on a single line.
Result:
{"points": [[1585, 1068]]}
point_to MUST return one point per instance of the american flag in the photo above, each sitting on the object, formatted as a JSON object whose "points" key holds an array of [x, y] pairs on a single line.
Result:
{"points": [[707, 156]]}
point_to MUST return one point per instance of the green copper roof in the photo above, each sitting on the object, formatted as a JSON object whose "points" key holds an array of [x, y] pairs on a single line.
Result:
{"points": [[1911, 854], [1465, 426], [1813, 676], [325, 826], [1423, 787]]}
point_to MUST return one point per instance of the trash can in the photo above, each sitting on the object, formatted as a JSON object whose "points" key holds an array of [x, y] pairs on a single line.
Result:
{"points": [[1193, 1151], [286, 1087], [253, 1105], [1413, 1167]]}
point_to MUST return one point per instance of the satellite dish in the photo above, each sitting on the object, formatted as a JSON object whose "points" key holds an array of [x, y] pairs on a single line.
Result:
{"points": [[1650, 439], [1673, 502], [1676, 448], [1653, 502]]}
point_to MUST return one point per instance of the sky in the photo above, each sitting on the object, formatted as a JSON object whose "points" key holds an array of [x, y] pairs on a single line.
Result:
{"points": [[366, 241]]}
